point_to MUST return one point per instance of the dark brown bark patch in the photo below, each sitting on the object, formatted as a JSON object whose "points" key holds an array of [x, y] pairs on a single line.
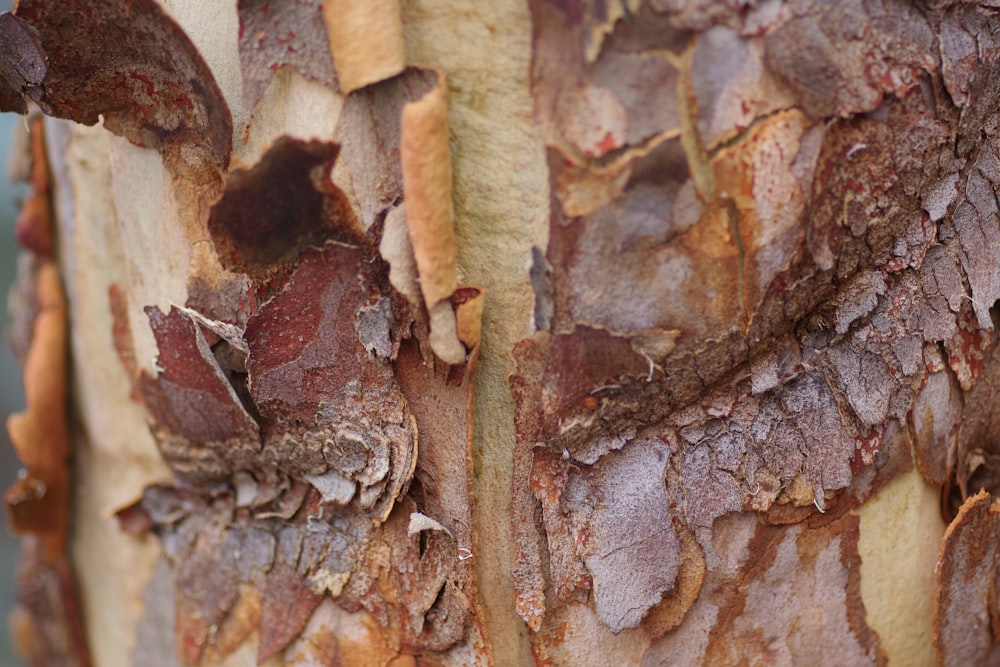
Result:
{"points": [[284, 204], [132, 64], [23, 63]]}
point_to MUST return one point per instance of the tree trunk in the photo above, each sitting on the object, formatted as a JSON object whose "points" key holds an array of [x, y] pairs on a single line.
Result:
{"points": [[553, 333]]}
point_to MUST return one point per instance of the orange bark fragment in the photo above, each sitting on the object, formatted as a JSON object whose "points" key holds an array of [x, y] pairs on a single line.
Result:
{"points": [[426, 160], [965, 603], [47, 625], [39, 434], [469, 315], [34, 224]]}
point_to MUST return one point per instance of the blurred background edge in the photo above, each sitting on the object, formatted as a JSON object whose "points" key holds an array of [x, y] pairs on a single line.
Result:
{"points": [[11, 397]]}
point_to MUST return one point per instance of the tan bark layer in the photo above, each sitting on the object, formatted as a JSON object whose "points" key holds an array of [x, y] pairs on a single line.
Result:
{"points": [[366, 40]]}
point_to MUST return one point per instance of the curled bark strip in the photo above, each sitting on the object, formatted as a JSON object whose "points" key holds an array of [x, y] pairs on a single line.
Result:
{"points": [[469, 315], [34, 224], [366, 40], [48, 628], [39, 434], [426, 159], [966, 605], [444, 334]]}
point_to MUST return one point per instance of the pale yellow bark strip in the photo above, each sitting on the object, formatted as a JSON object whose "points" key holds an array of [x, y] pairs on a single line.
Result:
{"points": [[366, 41], [114, 454], [901, 530]]}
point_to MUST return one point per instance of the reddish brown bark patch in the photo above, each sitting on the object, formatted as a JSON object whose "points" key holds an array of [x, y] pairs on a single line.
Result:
{"points": [[934, 420], [303, 345], [203, 429], [284, 204], [131, 63], [443, 606], [288, 601], [207, 590], [529, 547], [331, 404], [410, 580]]}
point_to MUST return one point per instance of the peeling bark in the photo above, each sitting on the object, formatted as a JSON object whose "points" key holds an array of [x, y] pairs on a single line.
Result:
{"points": [[842, 313], [46, 623], [155, 88], [667, 292]]}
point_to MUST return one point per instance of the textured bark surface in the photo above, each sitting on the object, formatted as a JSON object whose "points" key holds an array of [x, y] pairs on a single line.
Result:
{"points": [[562, 333], [775, 292]]}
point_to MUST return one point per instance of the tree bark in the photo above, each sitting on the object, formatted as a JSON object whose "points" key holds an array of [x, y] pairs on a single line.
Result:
{"points": [[511, 333]]}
